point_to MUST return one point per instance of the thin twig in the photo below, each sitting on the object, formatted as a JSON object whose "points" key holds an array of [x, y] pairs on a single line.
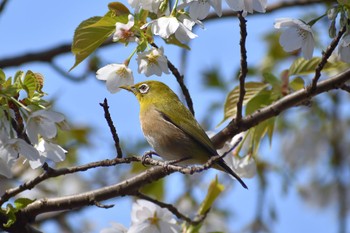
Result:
{"points": [[62, 171], [244, 65], [281, 105], [48, 55], [109, 120], [2, 5], [325, 58], [171, 208], [180, 80]]}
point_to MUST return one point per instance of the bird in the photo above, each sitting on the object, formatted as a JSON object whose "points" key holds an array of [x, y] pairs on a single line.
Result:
{"points": [[171, 129]]}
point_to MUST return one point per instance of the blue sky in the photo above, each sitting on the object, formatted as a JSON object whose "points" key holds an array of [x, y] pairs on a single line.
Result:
{"points": [[28, 26]]}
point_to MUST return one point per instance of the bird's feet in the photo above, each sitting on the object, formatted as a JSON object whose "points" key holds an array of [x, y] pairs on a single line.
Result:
{"points": [[147, 155]]}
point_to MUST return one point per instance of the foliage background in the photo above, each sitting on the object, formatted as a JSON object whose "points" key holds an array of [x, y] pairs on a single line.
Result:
{"points": [[299, 159]]}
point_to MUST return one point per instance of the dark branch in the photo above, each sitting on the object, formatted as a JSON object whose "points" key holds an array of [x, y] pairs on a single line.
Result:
{"points": [[180, 80], [271, 8], [59, 172], [325, 58], [171, 208], [112, 128], [279, 106], [244, 65], [345, 87], [3, 5], [130, 186], [48, 55]]}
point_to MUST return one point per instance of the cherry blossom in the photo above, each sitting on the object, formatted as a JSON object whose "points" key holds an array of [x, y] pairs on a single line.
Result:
{"points": [[152, 62], [150, 5], [199, 9], [245, 167], [116, 228], [115, 75], [296, 35], [248, 5], [344, 49], [48, 150], [123, 32], [169, 25], [150, 218], [12, 148], [43, 122]]}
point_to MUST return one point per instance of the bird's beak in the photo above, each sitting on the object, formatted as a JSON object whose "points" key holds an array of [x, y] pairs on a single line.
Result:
{"points": [[129, 88]]}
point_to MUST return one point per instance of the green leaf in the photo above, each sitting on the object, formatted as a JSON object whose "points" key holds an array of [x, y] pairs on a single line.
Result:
{"points": [[214, 190], [90, 34], [297, 84], [11, 215], [118, 8], [252, 89], [30, 83], [262, 99], [21, 203], [259, 131], [2, 76], [272, 79]]}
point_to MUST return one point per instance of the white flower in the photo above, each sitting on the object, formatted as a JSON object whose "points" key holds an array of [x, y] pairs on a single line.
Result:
{"points": [[150, 218], [48, 150], [12, 148], [123, 32], [152, 62], [43, 122], [244, 167], [297, 35], [247, 5], [116, 228], [5, 166], [150, 5], [115, 75], [344, 49], [6, 159], [199, 9], [169, 25]]}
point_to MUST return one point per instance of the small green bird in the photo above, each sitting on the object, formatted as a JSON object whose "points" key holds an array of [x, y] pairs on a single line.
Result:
{"points": [[171, 129]]}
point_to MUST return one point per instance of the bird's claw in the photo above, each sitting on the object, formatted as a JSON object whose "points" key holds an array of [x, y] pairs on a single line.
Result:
{"points": [[147, 155]]}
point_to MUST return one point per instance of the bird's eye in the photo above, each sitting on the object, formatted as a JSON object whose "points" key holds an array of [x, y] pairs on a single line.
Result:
{"points": [[144, 88]]}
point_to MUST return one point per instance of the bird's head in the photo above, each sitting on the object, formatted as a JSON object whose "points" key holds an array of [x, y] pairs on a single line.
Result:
{"points": [[149, 92]]}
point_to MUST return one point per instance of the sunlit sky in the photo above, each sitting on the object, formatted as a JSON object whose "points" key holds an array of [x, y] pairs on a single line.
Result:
{"points": [[29, 26]]}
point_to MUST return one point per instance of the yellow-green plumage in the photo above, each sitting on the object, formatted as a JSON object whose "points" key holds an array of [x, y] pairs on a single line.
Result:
{"points": [[171, 129]]}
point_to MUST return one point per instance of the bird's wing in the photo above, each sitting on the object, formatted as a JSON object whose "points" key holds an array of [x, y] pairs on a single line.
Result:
{"points": [[187, 123]]}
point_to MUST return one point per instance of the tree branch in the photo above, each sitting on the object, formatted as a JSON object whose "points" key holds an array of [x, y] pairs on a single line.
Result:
{"points": [[172, 209], [113, 130], [131, 185], [180, 80], [3, 5], [244, 65], [48, 55], [278, 107], [325, 57]]}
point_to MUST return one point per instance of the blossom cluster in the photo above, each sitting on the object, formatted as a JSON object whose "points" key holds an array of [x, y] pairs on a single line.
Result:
{"points": [[27, 127], [147, 217], [175, 27], [297, 34]]}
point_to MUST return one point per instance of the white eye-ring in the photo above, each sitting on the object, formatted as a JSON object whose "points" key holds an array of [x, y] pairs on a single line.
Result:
{"points": [[144, 88]]}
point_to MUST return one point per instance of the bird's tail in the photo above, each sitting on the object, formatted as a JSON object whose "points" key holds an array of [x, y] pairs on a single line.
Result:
{"points": [[224, 167]]}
